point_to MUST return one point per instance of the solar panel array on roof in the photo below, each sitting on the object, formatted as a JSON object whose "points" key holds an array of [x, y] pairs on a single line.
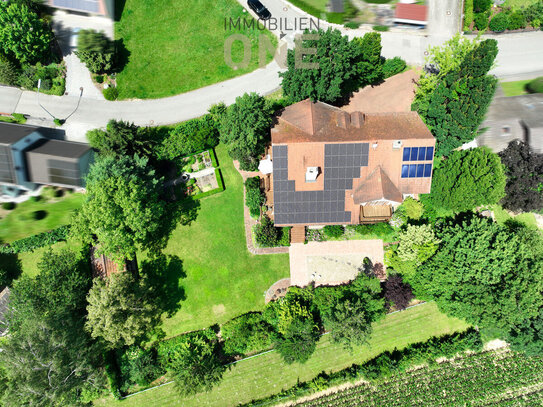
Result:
{"points": [[342, 164], [89, 6], [6, 166]]}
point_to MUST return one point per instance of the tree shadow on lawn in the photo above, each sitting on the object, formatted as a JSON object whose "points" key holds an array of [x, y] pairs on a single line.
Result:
{"points": [[11, 264], [163, 273]]}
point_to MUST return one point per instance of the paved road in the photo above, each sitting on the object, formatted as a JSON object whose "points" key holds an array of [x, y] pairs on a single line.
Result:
{"points": [[519, 54]]}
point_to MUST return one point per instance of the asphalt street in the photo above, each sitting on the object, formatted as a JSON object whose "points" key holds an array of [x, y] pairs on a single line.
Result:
{"points": [[520, 55]]}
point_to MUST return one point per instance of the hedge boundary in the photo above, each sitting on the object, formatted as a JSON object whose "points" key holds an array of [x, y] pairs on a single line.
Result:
{"points": [[383, 365], [31, 243]]}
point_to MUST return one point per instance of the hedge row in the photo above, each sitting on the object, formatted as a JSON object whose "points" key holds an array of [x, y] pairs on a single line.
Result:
{"points": [[34, 242], [384, 365]]}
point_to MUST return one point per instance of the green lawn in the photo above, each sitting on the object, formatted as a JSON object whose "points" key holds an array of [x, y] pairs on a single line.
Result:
{"points": [[319, 4], [19, 222], [502, 216], [268, 374], [515, 88], [176, 46], [519, 3], [223, 279]]}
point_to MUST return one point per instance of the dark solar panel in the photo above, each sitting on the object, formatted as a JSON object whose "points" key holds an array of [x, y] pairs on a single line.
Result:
{"points": [[342, 163], [6, 166]]}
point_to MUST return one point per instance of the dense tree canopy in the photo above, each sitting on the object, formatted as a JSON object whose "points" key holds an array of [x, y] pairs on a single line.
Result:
{"points": [[343, 66], [190, 137], [524, 171], [487, 274], [23, 35], [48, 356], [467, 179], [121, 139], [456, 107], [244, 129], [123, 208], [297, 324], [47, 366], [121, 310], [57, 292], [194, 360]]}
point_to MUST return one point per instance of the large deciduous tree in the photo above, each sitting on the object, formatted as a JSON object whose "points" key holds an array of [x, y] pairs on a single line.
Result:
{"points": [[524, 171], [244, 129], [296, 322], [123, 208], [47, 366], [467, 179], [23, 35], [456, 107], [343, 66], [487, 274], [121, 310]]}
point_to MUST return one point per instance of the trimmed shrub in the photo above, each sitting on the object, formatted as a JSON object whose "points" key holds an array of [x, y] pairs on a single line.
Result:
{"points": [[393, 66], [247, 333], [8, 206], [99, 78], [481, 21], [39, 215], [335, 18], [36, 198], [334, 231], [95, 50], [499, 22], [352, 24], [516, 21], [535, 86], [266, 234], [381, 28], [111, 93]]}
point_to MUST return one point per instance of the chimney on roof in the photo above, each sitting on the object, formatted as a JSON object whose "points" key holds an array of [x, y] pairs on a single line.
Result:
{"points": [[311, 174], [343, 119], [357, 119]]}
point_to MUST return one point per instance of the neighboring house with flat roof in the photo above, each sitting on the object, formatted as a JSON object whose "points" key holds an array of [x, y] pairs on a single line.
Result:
{"points": [[513, 118], [104, 8], [336, 167], [29, 159]]}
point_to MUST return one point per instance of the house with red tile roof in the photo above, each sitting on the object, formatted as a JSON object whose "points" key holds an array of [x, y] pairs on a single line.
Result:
{"points": [[412, 14], [331, 166]]}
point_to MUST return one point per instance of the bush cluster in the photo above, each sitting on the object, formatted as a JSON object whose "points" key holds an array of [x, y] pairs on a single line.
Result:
{"points": [[96, 51], [111, 93], [535, 86], [254, 197], [334, 231], [34, 242], [248, 333], [190, 137], [510, 19], [394, 66], [266, 234]]}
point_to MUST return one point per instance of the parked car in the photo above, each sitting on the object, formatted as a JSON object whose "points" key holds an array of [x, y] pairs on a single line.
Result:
{"points": [[262, 12], [73, 37]]}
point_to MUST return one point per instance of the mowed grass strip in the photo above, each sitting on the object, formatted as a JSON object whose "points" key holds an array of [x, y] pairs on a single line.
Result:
{"points": [[223, 280], [268, 374], [515, 88], [19, 222], [174, 46]]}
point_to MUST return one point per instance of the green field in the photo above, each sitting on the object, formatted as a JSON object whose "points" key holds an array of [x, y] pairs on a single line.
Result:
{"points": [[268, 374], [223, 279], [19, 222], [515, 88], [176, 46], [488, 378]]}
